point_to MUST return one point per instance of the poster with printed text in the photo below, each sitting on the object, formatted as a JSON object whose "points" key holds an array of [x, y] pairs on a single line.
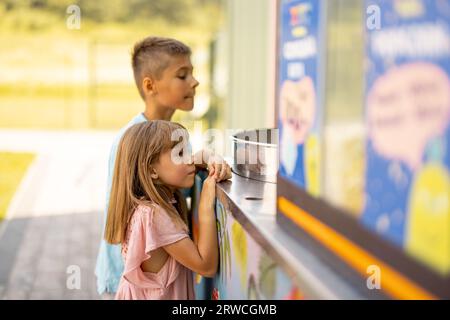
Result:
{"points": [[299, 98], [407, 114]]}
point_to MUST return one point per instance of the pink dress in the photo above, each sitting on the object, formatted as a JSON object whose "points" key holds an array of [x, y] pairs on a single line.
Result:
{"points": [[150, 228]]}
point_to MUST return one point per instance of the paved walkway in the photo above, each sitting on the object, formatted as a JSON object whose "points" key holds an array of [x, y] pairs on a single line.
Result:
{"points": [[53, 224]]}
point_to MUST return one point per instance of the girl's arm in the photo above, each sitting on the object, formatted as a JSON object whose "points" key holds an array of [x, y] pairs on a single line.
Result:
{"points": [[203, 257]]}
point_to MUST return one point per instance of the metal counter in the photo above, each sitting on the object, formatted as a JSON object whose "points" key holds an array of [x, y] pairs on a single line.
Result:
{"points": [[315, 272]]}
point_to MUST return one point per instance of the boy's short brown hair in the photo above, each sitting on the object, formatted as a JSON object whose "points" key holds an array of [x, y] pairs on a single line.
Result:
{"points": [[151, 56]]}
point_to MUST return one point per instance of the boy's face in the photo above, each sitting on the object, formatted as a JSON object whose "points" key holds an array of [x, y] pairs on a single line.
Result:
{"points": [[176, 88]]}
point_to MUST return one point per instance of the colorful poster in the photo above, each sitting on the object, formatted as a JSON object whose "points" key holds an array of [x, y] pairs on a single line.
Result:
{"points": [[246, 270], [407, 112], [299, 92]]}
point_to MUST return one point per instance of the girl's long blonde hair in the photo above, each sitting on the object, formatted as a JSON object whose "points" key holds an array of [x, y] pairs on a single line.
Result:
{"points": [[132, 185]]}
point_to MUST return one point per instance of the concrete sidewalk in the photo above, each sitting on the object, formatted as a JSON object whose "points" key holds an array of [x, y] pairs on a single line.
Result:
{"points": [[54, 221]]}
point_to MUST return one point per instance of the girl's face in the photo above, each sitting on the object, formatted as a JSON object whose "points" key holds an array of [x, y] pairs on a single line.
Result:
{"points": [[175, 168], [176, 88]]}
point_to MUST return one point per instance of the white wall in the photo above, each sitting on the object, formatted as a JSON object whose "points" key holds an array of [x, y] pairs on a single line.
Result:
{"points": [[251, 63]]}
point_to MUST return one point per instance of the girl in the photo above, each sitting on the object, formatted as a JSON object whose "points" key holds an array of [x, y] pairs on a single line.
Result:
{"points": [[147, 214]]}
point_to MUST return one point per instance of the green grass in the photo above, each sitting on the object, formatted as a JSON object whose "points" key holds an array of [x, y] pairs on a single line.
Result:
{"points": [[12, 169], [68, 107]]}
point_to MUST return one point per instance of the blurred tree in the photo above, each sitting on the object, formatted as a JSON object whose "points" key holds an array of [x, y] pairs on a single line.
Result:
{"points": [[174, 11]]}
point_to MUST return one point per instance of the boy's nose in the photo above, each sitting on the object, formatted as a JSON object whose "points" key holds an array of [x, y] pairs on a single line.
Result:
{"points": [[195, 83]]}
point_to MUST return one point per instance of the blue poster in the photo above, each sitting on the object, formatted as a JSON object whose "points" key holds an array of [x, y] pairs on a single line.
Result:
{"points": [[299, 92], [407, 114]]}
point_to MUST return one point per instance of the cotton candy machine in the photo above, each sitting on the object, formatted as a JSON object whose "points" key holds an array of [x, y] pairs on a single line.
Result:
{"points": [[255, 154]]}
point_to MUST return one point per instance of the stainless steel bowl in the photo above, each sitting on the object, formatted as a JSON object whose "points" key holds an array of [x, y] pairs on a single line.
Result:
{"points": [[255, 154]]}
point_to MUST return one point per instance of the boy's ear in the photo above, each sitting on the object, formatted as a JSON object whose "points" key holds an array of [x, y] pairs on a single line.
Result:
{"points": [[148, 85]]}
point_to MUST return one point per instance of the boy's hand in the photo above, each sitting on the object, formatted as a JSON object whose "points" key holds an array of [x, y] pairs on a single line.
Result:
{"points": [[220, 168]]}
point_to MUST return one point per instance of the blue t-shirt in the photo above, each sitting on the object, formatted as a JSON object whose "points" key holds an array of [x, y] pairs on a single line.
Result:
{"points": [[110, 265]]}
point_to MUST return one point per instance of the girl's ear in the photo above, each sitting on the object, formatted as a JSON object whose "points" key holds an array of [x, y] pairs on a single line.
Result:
{"points": [[153, 174]]}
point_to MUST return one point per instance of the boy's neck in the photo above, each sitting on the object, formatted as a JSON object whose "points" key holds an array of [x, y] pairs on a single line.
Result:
{"points": [[157, 113]]}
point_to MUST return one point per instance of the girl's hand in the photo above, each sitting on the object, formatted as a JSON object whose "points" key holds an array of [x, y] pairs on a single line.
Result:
{"points": [[220, 167], [208, 194], [207, 159]]}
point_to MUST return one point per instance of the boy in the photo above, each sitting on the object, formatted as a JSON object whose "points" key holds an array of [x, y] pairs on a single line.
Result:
{"points": [[163, 74]]}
